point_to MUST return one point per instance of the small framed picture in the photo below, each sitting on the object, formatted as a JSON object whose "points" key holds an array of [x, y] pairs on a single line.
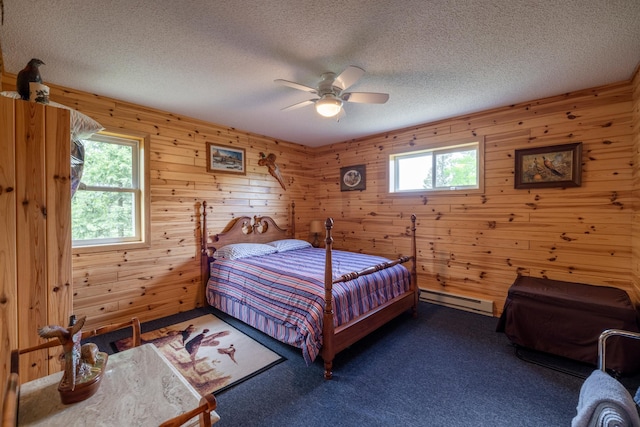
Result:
{"points": [[545, 167], [221, 158], [353, 178]]}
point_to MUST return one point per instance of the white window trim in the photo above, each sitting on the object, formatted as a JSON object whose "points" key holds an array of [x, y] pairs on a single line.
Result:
{"points": [[441, 146], [141, 188]]}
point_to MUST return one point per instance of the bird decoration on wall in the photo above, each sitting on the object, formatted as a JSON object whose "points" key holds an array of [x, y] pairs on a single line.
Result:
{"points": [[270, 162], [30, 73]]}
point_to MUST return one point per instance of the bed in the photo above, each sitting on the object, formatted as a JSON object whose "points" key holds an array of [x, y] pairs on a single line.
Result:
{"points": [[320, 300]]}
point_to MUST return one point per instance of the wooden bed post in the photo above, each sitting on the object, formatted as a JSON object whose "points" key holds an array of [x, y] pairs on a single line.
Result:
{"points": [[414, 261], [334, 338], [327, 320], [293, 219], [204, 255]]}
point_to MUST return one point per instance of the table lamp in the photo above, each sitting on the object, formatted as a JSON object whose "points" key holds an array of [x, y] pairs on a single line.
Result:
{"points": [[316, 227]]}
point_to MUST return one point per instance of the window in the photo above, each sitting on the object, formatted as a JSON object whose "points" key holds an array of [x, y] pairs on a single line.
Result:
{"points": [[445, 168], [110, 206]]}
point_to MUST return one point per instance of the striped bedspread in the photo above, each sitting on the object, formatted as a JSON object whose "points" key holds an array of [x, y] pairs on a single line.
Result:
{"points": [[282, 294]]}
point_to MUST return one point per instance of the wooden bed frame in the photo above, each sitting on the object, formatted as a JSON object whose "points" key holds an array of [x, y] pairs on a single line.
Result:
{"points": [[335, 339]]}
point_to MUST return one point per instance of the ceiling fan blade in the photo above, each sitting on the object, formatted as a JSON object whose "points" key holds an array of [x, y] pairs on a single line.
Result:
{"points": [[299, 105], [296, 85], [348, 77], [365, 97]]}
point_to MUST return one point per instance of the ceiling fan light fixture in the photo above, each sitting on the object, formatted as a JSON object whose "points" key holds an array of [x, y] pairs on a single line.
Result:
{"points": [[328, 105]]}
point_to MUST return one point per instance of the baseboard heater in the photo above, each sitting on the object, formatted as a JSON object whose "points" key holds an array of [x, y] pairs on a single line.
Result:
{"points": [[460, 302]]}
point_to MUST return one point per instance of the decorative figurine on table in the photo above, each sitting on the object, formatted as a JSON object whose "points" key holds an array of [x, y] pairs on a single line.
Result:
{"points": [[83, 365]]}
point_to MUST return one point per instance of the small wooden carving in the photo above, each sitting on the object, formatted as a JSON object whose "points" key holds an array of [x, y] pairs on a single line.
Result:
{"points": [[254, 225], [270, 162], [247, 227], [260, 226], [83, 365]]}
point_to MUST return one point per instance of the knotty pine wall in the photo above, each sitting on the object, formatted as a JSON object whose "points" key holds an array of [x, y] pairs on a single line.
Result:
{"points": [[477, 244], [165, 278], [635, 159], [468, 244]]}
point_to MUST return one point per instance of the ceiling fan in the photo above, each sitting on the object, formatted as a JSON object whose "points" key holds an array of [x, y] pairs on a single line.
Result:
{"points": [[330, 92]]}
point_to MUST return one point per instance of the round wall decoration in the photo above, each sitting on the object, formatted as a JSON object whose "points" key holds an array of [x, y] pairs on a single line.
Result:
{"points": [[352, 178]]}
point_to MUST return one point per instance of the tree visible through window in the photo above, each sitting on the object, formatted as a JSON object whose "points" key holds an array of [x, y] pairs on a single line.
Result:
{"points": [[444, 168], [108, 206], [456, 168]]}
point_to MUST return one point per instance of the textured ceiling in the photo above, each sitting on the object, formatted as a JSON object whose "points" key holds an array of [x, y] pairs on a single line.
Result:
{"points": [[217, 60]]}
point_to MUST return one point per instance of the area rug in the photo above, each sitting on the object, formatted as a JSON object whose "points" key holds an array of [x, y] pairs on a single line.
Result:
{"points": [[210, 354]]}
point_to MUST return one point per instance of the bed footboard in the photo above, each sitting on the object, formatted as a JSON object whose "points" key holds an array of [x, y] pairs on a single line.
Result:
{"points": [[337, 339]]}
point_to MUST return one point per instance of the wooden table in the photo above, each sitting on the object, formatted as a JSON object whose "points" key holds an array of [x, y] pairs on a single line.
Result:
{"points": [[140, 388]]}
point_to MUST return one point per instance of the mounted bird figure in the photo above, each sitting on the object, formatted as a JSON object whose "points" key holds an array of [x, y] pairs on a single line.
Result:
{"points": [[70, 339], [30, 73], [270, 162]]}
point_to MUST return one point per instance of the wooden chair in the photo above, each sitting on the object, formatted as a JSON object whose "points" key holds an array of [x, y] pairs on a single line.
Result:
{"points": [[12, 395], [208, 403], [134, 323], [10, 403]]}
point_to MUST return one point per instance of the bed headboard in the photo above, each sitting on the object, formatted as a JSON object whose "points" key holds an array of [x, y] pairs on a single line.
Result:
{"points": [[244, 229]]}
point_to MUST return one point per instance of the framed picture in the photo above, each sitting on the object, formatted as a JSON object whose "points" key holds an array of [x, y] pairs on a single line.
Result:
{"points": [[545, 167], [221, 158], [353, 178]]}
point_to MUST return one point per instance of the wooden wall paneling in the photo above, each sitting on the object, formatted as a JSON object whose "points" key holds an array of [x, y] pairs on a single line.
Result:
{"points": [[8, 257], [58, 224], [476, 244], [35, 145], [179, 182], [31, 232], [635, 159], [472, 244], [566, 104]]}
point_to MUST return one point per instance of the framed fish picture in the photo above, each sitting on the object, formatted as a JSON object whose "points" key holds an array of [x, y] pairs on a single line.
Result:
{"points": [[546, 167]]}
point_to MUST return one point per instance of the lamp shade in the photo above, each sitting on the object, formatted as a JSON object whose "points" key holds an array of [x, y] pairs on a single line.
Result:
{"points": [[328, 105], [316, 226]]}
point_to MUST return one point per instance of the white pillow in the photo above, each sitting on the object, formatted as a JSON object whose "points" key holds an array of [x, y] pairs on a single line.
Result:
{"points": [[82, 126], [289, 244], [243, 250]]}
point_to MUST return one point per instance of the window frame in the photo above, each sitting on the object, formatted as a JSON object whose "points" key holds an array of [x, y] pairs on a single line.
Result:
{"points": [[435, 148], [142, 201]]}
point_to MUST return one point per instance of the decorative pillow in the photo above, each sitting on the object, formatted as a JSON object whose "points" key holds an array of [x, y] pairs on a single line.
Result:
{"points": [[289, 244], [82, 126], [243, 250]]}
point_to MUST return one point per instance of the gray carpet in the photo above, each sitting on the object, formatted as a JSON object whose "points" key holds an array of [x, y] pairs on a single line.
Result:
{"points": [[445, 368]]}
